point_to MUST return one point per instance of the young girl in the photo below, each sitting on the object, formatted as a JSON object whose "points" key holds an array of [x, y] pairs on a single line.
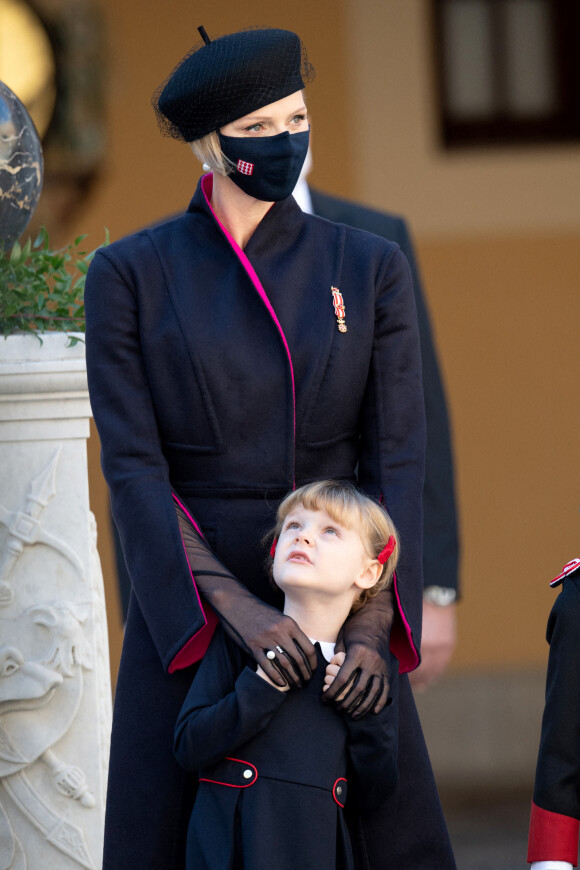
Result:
{"points": [[275, 763]]}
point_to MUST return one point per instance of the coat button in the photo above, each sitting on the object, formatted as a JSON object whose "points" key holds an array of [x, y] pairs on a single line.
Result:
{"points": [[339, 789], [248, 773]]}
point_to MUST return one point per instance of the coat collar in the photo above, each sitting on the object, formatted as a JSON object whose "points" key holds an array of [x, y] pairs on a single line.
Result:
{"points": [[282, 222]]}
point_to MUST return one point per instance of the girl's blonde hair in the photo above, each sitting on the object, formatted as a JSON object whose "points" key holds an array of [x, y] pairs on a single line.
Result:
{"points": [[208, 150], [354, 510]]}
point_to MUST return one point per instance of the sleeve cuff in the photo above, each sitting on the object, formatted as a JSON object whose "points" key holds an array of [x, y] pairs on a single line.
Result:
{"points": [[196, 647], [553, 837], [402, 643]]}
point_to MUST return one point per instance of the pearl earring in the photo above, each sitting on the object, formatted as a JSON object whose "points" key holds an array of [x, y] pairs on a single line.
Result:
{"points": [[206, 168]]}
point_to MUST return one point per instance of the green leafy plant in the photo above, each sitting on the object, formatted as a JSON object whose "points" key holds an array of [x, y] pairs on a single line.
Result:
{"points": [[42, 290]]}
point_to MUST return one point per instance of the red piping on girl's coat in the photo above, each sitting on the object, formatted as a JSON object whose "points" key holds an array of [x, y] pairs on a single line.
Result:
{"points": [[196, 646], [231, 784], [336, 800], [207, 186]]}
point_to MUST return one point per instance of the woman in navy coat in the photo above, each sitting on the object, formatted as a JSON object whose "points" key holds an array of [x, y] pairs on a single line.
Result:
{"points": [[234, 353]]}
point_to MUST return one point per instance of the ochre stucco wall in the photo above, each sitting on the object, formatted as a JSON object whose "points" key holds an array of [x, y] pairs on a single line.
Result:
{"points": [[393, 118], [506, 310]]}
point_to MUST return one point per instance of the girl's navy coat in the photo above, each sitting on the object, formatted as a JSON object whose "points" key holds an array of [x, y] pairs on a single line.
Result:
{"points": [[229, 387], [274, 767]]}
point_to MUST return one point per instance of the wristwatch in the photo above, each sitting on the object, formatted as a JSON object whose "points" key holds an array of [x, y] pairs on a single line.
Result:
{"points": [[442, 596]]}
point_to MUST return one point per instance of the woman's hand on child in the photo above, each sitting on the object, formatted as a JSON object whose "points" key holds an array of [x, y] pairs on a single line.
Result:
{"points": [[362, 684], [272, 632], [263, 630]]}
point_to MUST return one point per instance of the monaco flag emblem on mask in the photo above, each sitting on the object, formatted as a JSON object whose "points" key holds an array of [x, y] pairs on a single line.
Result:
{"points": [[245, 168]]}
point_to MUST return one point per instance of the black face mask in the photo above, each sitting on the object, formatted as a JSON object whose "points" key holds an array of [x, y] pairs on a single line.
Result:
{"points": [[267, 167]]}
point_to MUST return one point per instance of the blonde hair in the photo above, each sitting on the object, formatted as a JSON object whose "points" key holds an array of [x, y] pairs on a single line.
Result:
{"points": [[208, 150], [354, 510]]}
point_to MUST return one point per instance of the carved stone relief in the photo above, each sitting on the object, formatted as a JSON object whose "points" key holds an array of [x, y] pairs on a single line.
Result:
{"points": [[55, 700]]}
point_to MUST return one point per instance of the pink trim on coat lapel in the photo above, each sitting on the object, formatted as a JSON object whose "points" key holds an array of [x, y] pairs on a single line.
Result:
{"points": [[207, 186], [196, 646]]}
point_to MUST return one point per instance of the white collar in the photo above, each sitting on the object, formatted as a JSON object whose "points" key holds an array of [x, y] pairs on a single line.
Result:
{"points": [[301, 194], [326, 647]]}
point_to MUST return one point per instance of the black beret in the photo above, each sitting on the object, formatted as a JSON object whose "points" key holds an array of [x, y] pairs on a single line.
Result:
{"points": [[221, 80]]}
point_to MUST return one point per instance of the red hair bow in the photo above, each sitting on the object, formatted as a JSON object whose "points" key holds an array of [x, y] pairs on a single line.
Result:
{"points": [[273, 548], [387, 550]]}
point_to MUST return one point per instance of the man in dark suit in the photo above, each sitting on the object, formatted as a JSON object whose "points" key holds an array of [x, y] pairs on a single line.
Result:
{"points": [[440, 542]]}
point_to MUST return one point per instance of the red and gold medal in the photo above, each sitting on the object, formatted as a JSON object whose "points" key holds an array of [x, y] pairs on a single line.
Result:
{"points": [[339, 308]]}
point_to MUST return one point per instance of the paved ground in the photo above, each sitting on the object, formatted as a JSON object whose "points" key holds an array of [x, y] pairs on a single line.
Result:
{"points": [[488, 832]]}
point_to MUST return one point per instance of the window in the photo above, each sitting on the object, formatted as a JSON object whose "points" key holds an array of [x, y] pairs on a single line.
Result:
{"points": [[508, 71]]}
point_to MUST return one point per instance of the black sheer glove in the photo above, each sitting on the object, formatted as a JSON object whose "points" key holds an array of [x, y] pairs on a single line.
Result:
{"points": [[256, 627], [362, 683]]}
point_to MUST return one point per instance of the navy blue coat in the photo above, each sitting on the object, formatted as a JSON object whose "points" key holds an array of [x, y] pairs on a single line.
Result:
{"points": [[274, 767], [204, 383]]}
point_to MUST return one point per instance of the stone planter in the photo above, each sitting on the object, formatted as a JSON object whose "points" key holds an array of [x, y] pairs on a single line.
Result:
{"points": [[55, 694]]}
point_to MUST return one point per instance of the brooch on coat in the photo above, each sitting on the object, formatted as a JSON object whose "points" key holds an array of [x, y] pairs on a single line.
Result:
{"points": [[339, 308]]}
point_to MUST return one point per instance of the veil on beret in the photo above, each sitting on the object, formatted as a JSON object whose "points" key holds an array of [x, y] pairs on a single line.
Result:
{"points": [[224, 79]]}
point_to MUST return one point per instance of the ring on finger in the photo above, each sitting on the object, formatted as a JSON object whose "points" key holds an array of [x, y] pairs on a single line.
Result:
{"points": [[270, 654], [280, 650]]}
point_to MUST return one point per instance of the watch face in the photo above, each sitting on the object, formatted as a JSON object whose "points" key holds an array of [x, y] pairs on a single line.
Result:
{"points": [[27, 62], [440, 595]]}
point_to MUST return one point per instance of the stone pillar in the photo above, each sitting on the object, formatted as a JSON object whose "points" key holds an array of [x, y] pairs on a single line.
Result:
{"points": [[55, 693]]}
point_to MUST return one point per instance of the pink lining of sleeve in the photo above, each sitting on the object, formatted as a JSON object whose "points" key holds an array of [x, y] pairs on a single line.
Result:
{"points": [[197, 645], [402, 644]]}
